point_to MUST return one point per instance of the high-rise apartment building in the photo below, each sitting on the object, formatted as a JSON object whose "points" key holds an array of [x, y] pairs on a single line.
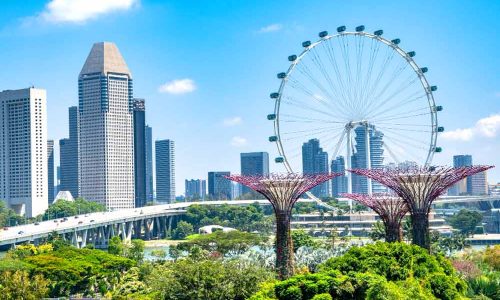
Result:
{"points": [[479, 184], [315, 161], [50, 171], [360, 183], [339, 184], [68, 156], [165, 171], [149, 164], [196, 189], [219, 187], [253, 163], [464, 186], [140, 152], [23, 150], [106, 142]]}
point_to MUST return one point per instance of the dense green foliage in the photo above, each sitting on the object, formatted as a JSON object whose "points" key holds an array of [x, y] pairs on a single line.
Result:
{"points": [[232, 242], [201, 278], [466, 220], [20, 285], [63, 208], [182, 230], [245, 218], [8, 217], [375, 271], [301, 238]]}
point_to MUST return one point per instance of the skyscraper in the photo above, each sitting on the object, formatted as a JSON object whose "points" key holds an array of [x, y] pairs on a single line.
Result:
{"points": [[339, 184], [479, 184], [464, 186], [50, 171], [106, 131], [68, 156], [149, 164], [360, 183], [165, 171], [315, 161], [253, 163], [196, 189], [219, 187], [23, 150], [140, 152]]}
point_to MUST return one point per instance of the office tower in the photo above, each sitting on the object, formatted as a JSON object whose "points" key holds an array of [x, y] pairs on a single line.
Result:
{"points": [[464, 186], [149, 164], [219, 187], [140, 152], [106, 133], [68, 155], [236, 193], [165, 171], [23, 151], [359, 161], [339, 184], [253, 163], [50, 171], [58, 180], [479, 184], [196, 189], [315, 161]]}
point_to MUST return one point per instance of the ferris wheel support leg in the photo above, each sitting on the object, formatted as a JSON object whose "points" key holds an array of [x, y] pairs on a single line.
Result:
{"points": [[368, 156]]}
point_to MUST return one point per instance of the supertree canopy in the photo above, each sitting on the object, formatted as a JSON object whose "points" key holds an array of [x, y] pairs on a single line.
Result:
{"points": [[390, 208], [283, 191], [419, 187]]}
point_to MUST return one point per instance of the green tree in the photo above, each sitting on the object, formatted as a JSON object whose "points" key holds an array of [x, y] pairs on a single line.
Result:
{"points": [[234, 242], [182, 230], [115, 246], [466, 220], [300, 238], [63, 208], [19, 285], [136, 250]]}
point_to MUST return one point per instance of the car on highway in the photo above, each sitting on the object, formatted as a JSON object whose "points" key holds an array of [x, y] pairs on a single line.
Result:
{"points": [[65, 219], [6, 228], [20, 232], [80, 222], [92, 220], [36, 223], [55, 221]]}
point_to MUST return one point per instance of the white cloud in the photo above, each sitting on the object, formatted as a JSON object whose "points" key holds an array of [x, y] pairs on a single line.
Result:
{"points": [[270, 28], [238, 141], [178, 86], [232, 121], [79, 11], [487, 127]]}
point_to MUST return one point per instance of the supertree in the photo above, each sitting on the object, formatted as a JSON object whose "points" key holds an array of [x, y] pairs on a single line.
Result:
{"points": [[283, 191], [390, 208], [419, 187]]}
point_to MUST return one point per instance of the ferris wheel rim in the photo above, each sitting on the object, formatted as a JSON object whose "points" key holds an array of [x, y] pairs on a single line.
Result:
{"points": [[415, 67]]}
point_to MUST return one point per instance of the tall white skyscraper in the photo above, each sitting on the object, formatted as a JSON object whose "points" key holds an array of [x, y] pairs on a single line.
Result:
{"points": [[23, 150], [106, 145]]}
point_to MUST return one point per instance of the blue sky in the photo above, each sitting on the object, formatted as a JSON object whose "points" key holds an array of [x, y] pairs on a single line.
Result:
{"points": [[222, 58]]}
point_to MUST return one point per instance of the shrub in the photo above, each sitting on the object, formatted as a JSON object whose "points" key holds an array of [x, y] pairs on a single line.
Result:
{"points": [[323, 296]]}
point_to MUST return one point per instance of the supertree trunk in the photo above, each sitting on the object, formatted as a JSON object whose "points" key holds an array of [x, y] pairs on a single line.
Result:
{"points": [[420, 229], [392, 232], [284, 245]]}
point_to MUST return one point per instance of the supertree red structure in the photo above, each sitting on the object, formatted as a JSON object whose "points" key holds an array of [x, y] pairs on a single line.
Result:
{"points": [[419, 187], [283, 191], [390, 208]]}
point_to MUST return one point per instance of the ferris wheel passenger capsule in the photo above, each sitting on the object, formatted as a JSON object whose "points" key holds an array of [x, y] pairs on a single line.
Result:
{"points": [[396, 41], [341, 29], [378, 32], [271, 117], [306, 44], [440, 129], [281, 75], [322, 34], [439, 108], [360, 28], [433, 88], [292, 57], [274, 95], [411, 53], [438, 149], [424, 69], [273, 138], [279, 159]]}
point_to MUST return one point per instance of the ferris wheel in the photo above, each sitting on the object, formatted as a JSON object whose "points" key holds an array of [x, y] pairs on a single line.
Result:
{"points": [[361, 98]]}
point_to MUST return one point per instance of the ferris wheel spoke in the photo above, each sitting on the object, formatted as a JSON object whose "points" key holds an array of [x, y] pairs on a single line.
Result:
{"points": [[402, 137], [307, 73], [374, 49], [403, 117], [302, 105], [391, 153], [345, 57], [333, 61], [308, 119], [308, 133], [407, 100], [391, 114], [404, 124], [373, 88], [403, 147]]}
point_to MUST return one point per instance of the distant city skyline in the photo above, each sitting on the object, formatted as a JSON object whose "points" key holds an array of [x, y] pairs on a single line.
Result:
{"points": [[190, 105]]}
